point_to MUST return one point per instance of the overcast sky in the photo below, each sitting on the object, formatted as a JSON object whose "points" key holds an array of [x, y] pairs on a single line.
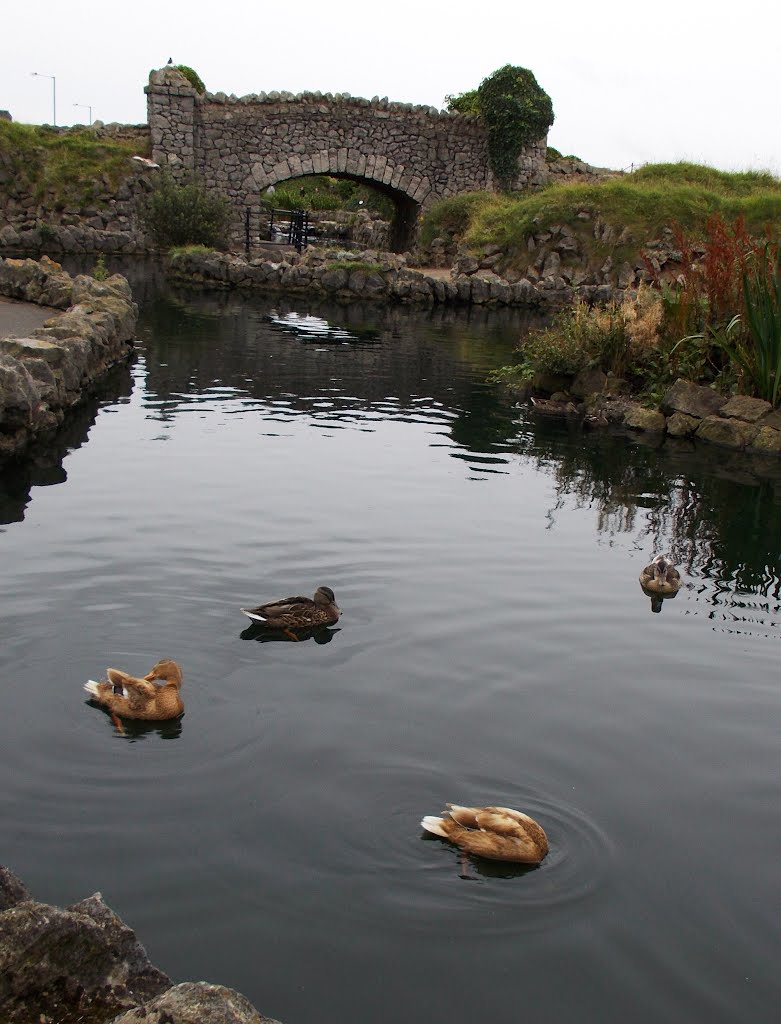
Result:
{"points": [[631, 83]]}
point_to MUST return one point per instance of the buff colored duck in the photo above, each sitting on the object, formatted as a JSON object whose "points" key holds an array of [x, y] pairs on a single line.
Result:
{"points": [[497, 833], [660, 578], [125, 696], [292, 613]]}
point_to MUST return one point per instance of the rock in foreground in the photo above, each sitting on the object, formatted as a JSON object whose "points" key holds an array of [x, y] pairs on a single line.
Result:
{"points": [[83, 965]]}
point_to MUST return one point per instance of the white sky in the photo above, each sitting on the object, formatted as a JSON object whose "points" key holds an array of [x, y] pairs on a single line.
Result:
{"points": [[631, 83]]}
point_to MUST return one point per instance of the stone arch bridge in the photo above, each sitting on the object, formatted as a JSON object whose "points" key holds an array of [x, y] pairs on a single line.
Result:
{"points": [[240, 146]]}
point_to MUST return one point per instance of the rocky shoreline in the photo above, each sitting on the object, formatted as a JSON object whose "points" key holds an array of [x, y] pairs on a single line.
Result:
{"points": [[83, 965], [345, 275], [688, 411], [43, 375]]}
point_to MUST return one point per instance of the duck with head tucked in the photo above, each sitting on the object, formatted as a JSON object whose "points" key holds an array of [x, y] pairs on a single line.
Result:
{"points": [[154, 698], [297, 613], [497, 833]]}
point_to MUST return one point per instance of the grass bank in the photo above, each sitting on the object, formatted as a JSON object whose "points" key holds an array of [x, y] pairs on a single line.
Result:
{"points": [[67, 166], [630, 209]]}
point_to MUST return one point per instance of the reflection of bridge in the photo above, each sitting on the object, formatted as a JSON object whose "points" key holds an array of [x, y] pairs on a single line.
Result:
{"points": [[415, 155]]}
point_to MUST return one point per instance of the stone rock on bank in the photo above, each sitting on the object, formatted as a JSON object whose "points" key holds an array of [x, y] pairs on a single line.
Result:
{"points": [[82, 965], [44, 374]]}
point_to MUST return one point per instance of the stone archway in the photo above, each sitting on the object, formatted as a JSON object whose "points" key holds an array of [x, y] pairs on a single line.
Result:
{"points": [[241, 145], [406, 215]]}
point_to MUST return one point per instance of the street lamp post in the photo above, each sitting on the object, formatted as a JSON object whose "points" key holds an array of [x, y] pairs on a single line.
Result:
{"points": [[54, 94], [86, 107]]}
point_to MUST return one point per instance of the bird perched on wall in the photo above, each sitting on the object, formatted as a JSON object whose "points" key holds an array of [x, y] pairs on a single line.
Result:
{"points": [[497, 833], [154, 698], [170, 60], [292, 613]]}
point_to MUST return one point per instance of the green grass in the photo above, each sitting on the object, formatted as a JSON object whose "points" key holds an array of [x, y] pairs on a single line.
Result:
{"points": [[351, 265], [322, 192], [67, 166], [189, 250], [655, 197]]}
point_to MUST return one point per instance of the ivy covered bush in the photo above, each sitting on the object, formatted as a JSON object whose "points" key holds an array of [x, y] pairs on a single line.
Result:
{"points": [[516, 111]]}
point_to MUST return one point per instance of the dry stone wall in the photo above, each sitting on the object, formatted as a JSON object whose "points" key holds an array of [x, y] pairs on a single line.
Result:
{"points": [[43, 375], [107, 223]]}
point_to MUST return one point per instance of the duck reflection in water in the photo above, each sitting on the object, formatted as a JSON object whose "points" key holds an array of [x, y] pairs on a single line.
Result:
{"points": [[660, 581], [133, 731], [264, 635]]}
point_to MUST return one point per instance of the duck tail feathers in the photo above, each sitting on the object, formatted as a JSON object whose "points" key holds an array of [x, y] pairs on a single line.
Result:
{"points": [[433, 824], [254, 615], [92, 688]]}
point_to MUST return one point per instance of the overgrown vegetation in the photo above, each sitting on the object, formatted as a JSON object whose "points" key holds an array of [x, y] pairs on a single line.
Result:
{"points": [[68, 166], [632, 207], [321, 192], [192, 77], [516, 111], [718, 324], [185, 213], [620, 339]]}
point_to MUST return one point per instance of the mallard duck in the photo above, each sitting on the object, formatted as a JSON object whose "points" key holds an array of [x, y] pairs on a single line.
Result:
{"points": [[124, 696], [498, 833], [660, 578], [293, 613]]}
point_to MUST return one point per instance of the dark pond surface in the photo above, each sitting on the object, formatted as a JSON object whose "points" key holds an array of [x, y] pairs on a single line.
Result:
{"points": [[495, 647]]}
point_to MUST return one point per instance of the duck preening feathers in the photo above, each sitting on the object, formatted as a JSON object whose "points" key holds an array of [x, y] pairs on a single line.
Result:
{"points": [[498, 833], [154, 697]]}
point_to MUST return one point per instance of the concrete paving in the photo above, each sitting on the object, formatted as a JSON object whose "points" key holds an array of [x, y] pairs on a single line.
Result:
{"points": [[18, 319]]}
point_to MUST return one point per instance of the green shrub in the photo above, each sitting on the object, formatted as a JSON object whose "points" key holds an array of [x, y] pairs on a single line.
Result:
{"points": [[100, 270], [762, 298], [515, 110], [192, 77], [622, 339], [464, 102], [178, 214], [322, 192]]}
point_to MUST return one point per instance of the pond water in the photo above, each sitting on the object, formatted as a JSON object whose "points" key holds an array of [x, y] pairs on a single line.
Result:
{"points": [[495, 646]]}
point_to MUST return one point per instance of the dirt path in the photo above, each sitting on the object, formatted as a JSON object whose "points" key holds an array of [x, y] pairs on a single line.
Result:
{"points": [[17, 319]]}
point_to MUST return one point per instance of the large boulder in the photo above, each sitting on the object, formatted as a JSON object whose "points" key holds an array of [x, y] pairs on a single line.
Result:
{"points": [[83, 965], [637, 417], [692, 399], [742, 407], [728, 433], [81, 962], [196, 1002]]}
